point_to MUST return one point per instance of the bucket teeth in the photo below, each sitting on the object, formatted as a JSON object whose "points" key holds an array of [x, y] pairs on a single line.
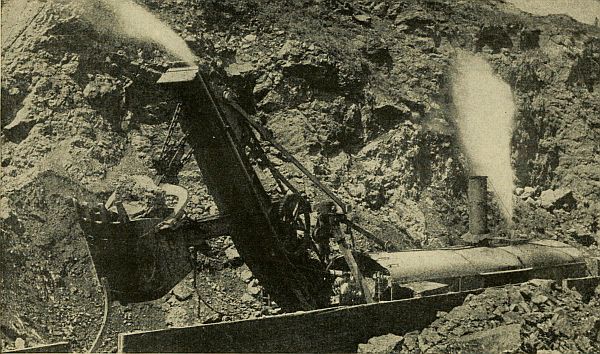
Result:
{"points": [[76, 206], [82, 210], [87, 212], [104, 217], [98, 214]]}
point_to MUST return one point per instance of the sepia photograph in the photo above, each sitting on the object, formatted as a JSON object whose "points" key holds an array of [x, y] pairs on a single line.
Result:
{"points": [[300, 176]]}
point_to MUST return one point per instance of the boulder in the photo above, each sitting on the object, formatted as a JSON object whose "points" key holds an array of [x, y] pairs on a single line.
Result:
{"points": [[272, 101], [263, 85], [250, 38], [19, 343], [246, 275], [496, 340], [239, 69], [247, 299], [546, 284], [363, 19], [530, 200], [290, 48], [557, 199], [183, 291], [381, 344], [253, 288], [357, 190], [140, 196], [233, 257], [528, 192], [107, 95], [191, 40], [103, 90], [6, 212], [20, 126], [539, 299]]}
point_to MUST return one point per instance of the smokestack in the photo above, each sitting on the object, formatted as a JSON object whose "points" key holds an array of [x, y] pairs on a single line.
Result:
{"points": [[485, 118], [477, 194]]}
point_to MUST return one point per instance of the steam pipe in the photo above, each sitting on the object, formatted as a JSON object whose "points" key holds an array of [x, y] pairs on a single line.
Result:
{"points": [[477, 194]]}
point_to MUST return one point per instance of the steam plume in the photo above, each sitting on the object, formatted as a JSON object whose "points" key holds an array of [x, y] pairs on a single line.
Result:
{"points": [[485, 110], [586, 11], [126, 18]]}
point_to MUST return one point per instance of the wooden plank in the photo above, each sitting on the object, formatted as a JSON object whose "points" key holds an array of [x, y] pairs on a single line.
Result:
{"points": [[338, 329], [356, 273], [59, 347]]}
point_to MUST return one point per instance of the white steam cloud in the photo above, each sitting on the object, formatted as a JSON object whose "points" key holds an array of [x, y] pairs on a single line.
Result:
{"points": [[586, 11], [126, 18], [485, 110]]}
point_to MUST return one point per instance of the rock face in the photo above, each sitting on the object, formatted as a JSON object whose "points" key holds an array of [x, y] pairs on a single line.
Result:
{"points": [[106, 94], [358, 90]]}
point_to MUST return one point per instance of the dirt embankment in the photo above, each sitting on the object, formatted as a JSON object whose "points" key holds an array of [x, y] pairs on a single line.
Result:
{"points": [[359, 92]]}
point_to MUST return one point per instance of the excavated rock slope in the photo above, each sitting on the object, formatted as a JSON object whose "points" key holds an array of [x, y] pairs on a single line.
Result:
{"points": [[358, 90]]}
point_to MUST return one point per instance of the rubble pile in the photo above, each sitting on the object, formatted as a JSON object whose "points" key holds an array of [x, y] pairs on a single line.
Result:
{"points": [[531, 317], [224, 289], [46, 298], [558, 215]]}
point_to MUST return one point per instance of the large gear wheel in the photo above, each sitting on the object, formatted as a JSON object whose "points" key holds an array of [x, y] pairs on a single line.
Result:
{"points": [[294, 216]]}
